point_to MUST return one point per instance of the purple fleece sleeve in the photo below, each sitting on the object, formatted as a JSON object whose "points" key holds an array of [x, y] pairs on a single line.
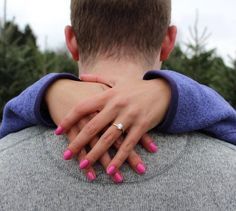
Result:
{"points": [[194, 107], [28, 108]]}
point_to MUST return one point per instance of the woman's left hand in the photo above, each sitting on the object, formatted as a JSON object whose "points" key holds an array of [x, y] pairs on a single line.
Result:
{"points": [[131, 107]]}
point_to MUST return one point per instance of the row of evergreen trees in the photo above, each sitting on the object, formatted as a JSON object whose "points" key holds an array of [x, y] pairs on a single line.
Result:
{"points": [[22, 63]]}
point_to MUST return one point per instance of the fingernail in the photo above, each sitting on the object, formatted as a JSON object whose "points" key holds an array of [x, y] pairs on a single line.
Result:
{"points": [[111, 170], [140, 168], [153, 147], [67, 155], [59, 131], [84, 164], [90, 176], [118, 178]]}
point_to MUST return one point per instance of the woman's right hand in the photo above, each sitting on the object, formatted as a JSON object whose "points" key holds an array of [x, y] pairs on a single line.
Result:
{"points": [[105, 159], [62, 96], [134, 159]]}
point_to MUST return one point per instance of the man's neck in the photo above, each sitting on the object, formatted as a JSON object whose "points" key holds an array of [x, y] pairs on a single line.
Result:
{"points": [[117, 70]]}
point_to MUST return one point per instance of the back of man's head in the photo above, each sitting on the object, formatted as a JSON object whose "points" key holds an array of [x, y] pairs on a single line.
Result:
{"points": [[120, 28]]}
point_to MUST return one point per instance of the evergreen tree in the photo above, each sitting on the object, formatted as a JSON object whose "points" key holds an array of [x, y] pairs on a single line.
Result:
{"points": [[22, 63]]}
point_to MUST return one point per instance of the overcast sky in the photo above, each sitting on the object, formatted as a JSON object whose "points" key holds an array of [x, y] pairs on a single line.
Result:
{"points": [[48, 18]]}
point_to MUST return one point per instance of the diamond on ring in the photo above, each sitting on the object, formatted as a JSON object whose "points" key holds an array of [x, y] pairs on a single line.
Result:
{"points": [[119, 126]]}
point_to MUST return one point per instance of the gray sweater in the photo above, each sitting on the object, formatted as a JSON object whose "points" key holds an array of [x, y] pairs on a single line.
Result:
{"points": [[190, 172]]}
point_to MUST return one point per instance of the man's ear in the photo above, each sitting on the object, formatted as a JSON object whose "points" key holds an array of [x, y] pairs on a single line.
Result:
{"points": [[169, 43], [71, 42]]}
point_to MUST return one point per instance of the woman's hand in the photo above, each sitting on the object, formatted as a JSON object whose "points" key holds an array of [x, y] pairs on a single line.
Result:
{"points": [[61, 97], [134, 159], [104, 160], [137, 104]]}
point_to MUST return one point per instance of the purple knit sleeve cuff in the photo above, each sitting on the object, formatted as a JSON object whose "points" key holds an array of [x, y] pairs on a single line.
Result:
{"points": [[154, 74], [40, 109]]}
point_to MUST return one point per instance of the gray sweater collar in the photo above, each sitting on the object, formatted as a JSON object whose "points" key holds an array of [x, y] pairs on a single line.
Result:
{"points": [[169, 153]]}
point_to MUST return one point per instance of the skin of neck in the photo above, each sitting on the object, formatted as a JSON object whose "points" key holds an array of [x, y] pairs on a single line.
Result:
{"points": [[118, 70]]}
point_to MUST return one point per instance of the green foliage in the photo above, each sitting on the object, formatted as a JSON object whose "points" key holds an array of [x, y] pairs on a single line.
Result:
{"points": [[22, 63], [204, 65], [206, 68]]}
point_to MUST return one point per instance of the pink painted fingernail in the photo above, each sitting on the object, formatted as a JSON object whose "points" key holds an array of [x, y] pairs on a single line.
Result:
{"points": [[90, 176], [67, 155], [140, 168], [84, 164], [118, 178], [111, 170], [153, 147], [59, 131]]}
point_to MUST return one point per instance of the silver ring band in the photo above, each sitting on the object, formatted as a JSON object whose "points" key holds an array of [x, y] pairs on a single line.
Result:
{"points": [[119, 126]]}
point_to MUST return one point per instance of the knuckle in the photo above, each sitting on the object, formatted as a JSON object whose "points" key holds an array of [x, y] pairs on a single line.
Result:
{"points": [[91, 116], [107, 138], [120, 102], [122, 156], [65, 122], [83, 122], [132, 113], [79, 127], [112, 92], [120, 160], [135, 159], [119, 141], [103, 97], [123, 101], [143, 124], [127, 148], [75, 148], [90, 129], [93, 143], [118, 144], [109, 94], [77, 109], [92, 159]]}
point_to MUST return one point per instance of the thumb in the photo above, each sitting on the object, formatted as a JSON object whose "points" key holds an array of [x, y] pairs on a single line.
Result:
{"points": [[97, 79]]}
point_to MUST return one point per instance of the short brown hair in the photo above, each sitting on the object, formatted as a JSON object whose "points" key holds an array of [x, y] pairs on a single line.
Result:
{"points": [[118, 27]]}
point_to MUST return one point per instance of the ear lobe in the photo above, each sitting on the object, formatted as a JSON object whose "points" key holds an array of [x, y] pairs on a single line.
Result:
{"points": [[71, 42], [169, 43]]}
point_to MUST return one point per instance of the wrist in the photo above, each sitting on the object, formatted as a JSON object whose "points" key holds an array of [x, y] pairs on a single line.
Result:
{"points": [[57, 89], [59, 98], [172, 79], [163, 88], [40, 107], [64, 94], [160, 90]]}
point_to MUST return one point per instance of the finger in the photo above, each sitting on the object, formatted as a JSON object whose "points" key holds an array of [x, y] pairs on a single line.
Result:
{"points": [[134, 159], [72, 133], [102, 145], [97, 79], [105, 160], [90, 130], [126, 148], [87, 107], [89, 172], [117, 177], [148, 143], [105, 142]]}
